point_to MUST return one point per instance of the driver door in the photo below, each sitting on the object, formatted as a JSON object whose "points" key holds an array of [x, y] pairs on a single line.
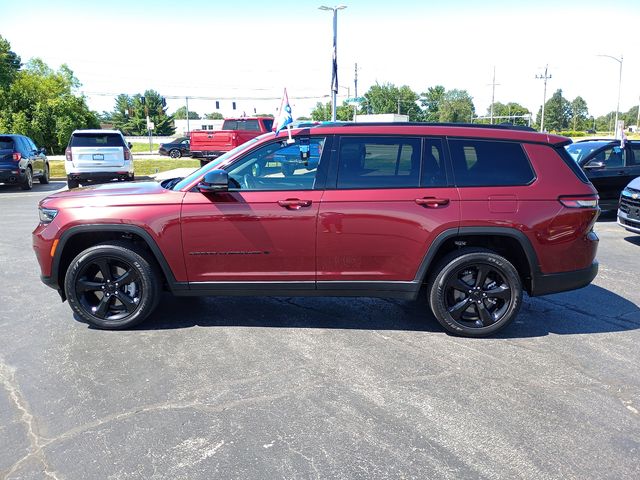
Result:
{"points": [[264, 228]]}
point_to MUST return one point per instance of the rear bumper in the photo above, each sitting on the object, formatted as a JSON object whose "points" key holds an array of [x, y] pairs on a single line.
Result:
{"points": [[561, 282], [14, 175], [208, 154], [100, 176]]}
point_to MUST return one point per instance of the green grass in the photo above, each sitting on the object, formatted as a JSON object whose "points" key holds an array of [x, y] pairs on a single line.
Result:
{"points": [[141, 167], [144, 147]]}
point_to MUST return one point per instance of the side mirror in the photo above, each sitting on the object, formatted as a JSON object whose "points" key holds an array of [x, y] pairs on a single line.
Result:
{"points": [[43, 151], [214, 181], [130, 145], [594, 164]]}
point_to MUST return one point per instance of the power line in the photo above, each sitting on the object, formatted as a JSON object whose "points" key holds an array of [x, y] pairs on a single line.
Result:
{"points": [[199, 97]]}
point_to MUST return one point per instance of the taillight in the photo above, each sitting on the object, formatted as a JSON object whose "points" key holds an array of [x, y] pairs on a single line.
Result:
{"points": [[67, 154], [16, 156], [127, 154], [579, 201]]}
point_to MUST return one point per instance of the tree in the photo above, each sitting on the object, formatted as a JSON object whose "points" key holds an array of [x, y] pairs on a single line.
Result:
{"points": [[181, 114], [214, 116], [9, 64], [557, 113], [579, 114], [41, 104], [130, 114], [431, 100], [456, 106], [510, 110], [322, 112], [387, 98]]}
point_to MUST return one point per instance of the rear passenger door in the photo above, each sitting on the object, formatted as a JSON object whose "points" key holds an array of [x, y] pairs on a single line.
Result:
{"points": [[387, 199]]}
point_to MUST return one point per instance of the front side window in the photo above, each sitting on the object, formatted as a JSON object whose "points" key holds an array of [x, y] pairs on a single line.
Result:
{"points": [[279, 166], [479, 163], [613, 157], [378, 162]]}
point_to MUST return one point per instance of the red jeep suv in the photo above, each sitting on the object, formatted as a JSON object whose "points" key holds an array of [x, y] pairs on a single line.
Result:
{"points": [[474, 215]]}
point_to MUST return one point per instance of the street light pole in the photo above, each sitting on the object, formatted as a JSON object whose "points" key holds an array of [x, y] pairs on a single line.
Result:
{"points": [[619, 60], [334, 63]]}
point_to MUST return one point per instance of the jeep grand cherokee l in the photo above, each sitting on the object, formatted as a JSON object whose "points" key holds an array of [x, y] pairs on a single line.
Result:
{"points": [[472, 215]]}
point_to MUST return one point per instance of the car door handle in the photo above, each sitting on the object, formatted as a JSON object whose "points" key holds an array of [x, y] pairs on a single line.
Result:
{"points": [[432, 202], [294, 203]]}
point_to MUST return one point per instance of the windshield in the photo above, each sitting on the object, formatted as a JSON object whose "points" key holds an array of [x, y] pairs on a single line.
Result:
{"points": [[580, 150], [215, 163]]}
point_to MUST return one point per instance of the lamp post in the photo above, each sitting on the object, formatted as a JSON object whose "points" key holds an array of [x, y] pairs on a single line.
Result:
{"points": [[544, 77], [334, 63], [619, 60]]}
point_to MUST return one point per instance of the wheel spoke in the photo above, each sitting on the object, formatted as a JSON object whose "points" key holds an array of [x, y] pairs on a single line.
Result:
{"points": [[503, 292], [486, 317], [458, 309], [87, 286], [483, 271], [127, 277], [105, 268], [127, 301], [103, 307]]}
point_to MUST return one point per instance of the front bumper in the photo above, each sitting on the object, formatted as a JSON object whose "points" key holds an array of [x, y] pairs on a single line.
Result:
{"points": [[630, 223]]}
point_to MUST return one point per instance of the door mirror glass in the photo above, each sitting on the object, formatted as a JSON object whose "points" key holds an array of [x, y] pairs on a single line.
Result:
{"points": [[214, 181]]}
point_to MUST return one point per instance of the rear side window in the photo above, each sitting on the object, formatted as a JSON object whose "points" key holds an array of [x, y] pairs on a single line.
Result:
{"points": [[268, 124], [374, 162], [489, 163], [6, 143], [97, 140]]}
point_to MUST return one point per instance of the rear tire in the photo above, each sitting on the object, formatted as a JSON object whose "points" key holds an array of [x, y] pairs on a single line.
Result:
{"points": [[27, 183], [72, 183], [44, 178], [113, 286], [474, 292], [175, 153]]}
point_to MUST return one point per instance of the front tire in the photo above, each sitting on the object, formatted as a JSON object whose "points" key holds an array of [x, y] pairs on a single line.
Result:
{"points": [[474, 292], [113, 286]]}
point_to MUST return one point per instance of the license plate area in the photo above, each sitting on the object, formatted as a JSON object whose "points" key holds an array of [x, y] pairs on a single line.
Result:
{"points": [[98, 156]]}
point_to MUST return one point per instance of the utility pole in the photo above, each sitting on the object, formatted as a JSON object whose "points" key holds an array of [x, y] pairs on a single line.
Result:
{"points": [[334, 62], [188, 129], [355, 82], [619, 60], [493, 93], [544, 77], [638, 119]]}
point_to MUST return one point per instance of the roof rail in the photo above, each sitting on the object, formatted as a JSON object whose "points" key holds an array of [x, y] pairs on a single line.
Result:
{"points": [[500, 126]]}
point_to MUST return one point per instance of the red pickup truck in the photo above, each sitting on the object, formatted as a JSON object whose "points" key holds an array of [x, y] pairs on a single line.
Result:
{"points": [[208, 145]]}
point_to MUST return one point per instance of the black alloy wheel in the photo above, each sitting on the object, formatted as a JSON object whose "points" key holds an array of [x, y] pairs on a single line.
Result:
{"points": [[27, 183], [175, 153], [475, 293], [44, 178], [112, 286]]}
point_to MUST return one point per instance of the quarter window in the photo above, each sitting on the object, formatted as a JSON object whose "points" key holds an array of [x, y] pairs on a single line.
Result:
{"points": [[373, 162], [489, 163]]}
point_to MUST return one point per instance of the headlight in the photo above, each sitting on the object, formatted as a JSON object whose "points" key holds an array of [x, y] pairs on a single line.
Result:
{"points": [[47, 214]]}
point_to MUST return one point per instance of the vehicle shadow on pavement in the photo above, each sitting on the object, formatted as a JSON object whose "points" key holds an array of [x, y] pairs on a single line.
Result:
{"points": [[37, 188], [633, 239], [589, 310], [607, 216]]}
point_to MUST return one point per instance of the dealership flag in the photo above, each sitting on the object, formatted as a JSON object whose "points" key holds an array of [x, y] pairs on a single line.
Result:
{"points": [[284, 116]]}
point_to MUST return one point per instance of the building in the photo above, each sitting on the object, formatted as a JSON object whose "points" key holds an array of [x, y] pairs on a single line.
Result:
{"points": [[202, 124]]}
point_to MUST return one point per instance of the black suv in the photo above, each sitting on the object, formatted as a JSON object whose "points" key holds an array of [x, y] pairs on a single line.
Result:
{"points": [[21, 161], [609, 166]]}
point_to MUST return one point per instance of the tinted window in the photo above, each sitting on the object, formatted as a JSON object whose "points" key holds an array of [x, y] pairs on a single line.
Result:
{"points": [[278, 166], [485, 162], [613, 157], [433, 164], [96, 140], [250, 125], [634, 158], [6, 143], [268, 124], [230, 125], [580, 150], [32, 145], [373, 162]]}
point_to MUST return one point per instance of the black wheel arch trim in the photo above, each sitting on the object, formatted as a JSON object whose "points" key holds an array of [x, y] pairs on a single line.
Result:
{"points": [[523, 240], [119, 228]]}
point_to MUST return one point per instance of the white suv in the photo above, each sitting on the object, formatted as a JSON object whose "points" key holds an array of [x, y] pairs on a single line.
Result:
{"points": [[97, 155]]}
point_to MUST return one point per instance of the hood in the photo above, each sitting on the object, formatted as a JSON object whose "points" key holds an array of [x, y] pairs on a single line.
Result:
{"points": [[635, 184], [113, 194]]}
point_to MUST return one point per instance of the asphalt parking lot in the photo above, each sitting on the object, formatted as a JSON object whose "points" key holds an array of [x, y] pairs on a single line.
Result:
{"points": [[271, 388]]}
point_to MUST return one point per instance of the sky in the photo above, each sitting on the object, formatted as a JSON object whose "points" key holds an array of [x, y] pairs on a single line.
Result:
{"points": [[249, 51]]}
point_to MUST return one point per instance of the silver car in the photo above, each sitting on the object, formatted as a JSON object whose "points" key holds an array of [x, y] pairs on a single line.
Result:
{"points": [[97, 156], [629, 208]]}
